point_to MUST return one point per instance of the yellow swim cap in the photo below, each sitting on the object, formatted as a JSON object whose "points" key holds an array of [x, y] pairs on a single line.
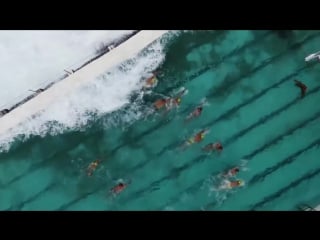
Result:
{"points": [[153, 80], [202, 135], [240, 182]]}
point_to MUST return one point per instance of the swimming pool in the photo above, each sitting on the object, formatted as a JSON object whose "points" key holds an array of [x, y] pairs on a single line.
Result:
{"points": [[252, 107]]}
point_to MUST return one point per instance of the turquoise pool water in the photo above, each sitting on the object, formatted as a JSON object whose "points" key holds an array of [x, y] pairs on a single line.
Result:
{"points": [[252, 107]]}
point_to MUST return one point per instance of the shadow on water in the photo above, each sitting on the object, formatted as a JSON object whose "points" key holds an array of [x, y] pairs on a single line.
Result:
{"points": [[39, 147], [176, 64], [227, 86]]}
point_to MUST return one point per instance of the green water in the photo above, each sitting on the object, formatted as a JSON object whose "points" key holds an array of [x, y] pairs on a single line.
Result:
{"points": [[253, 109]]}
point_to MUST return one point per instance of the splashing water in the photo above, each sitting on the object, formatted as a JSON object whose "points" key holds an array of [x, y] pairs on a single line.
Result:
{"points": [[107, 94]]}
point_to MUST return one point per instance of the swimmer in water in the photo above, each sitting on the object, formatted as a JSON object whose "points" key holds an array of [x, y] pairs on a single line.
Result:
{"points": [[161, 103], [231, 184], [195, 139], [170, 102], [212, 147], [92, 167], [176, 100], [232, 172], [117, 189], [302, 86], [151, 82], [173, 102], [196, 113]]}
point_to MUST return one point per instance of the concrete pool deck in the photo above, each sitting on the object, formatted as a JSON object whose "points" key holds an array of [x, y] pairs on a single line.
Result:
{"points": [[81, 77]]}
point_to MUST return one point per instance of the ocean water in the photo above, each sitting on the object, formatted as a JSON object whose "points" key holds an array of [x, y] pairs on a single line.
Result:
{"points": [[245, 80]]}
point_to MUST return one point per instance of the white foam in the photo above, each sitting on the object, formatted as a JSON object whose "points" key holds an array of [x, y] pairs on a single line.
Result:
{"points": [[30, 58], [103, 95]]}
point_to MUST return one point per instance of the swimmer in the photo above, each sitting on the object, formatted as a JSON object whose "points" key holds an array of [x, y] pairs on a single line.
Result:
{"points": [[196, 113], [176, 101], [151, 82], [302, 86], [226, 184], [166, 103], [161, 103], [213, 146], [169, 102], [92, 167], [232, 172], [195, 139], [173, 102], [119, 188]]}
